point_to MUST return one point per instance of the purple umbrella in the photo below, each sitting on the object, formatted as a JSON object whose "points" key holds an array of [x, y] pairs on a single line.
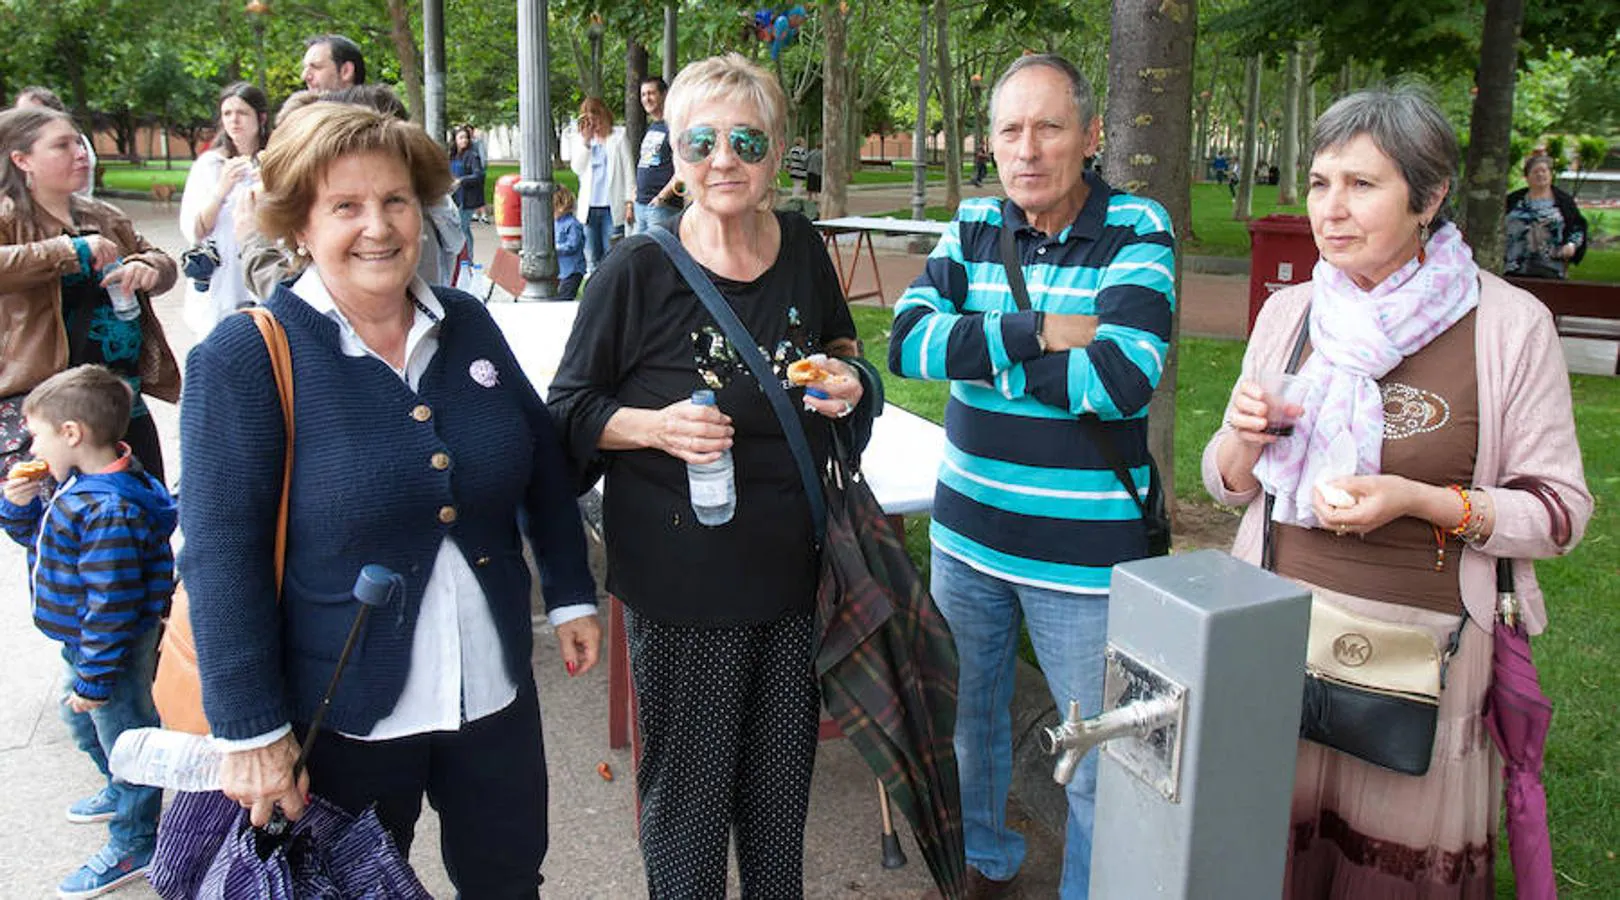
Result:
{"points": [[207, 849], [1518, 715]]}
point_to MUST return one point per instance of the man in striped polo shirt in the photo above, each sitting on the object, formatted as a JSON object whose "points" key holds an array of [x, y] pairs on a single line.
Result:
{"points": [[1029, 517]]}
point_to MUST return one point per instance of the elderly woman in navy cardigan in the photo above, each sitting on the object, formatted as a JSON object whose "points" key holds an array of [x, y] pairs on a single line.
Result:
{"points": [[420, 446]]}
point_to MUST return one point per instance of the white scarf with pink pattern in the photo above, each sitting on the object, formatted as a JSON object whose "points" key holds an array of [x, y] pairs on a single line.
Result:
{"points": [[1357, 337]]}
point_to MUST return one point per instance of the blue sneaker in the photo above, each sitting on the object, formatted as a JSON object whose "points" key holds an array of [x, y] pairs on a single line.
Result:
{"points": [[107, 871], [98, 807]]}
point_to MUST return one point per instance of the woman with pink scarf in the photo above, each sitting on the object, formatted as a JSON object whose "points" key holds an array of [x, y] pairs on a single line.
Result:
{"points": [[1432, 434]]}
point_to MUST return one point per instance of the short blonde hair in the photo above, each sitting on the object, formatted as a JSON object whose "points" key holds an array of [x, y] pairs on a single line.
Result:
{"points": [[90, 395], [730, 78], [311, 139]]}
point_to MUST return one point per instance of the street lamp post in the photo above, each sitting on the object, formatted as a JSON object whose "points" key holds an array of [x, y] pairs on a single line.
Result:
{"points": [[258, 9], [538, 260]]}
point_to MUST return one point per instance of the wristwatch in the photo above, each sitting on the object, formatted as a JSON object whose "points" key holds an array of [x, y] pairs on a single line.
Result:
{"points": [[1040, 330]]}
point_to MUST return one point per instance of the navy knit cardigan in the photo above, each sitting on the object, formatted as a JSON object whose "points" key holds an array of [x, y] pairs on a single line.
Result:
{"points": [[381, 474]]}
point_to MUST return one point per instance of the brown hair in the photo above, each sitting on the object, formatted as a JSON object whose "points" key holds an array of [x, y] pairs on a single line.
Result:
{"points": [[43, 96], [90, 395], [313, 138], [594, 107], [295, 101], [562, 200], [1539, 159], [19, 129], [256, 100]]}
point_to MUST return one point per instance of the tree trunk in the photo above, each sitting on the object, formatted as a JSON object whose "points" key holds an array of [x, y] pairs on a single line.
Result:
{"points": [[1243, 209], [1489, 131], [834, 126], [1307, 110], [635, 69], [410, 58], [947, 102], [1288, 186], [671, 42], [1149, 124]]}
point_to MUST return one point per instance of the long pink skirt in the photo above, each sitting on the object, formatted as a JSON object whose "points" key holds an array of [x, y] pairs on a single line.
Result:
{"points": [[1361, 831]]}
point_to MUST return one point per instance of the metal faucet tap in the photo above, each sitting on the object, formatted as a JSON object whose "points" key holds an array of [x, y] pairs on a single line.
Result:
{"points": [[1076, 736]]}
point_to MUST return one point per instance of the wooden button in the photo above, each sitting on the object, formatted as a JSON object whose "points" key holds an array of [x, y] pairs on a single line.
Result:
{"points": [[447, 514], [422, 413], [440, 461]]}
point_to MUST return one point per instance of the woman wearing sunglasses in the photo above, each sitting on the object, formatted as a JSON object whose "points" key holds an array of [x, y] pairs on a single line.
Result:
{"points": [[719, 617]]}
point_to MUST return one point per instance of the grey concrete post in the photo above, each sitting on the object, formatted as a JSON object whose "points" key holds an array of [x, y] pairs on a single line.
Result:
{"points": [[1225, 642], [433, 114], [538, 259]]}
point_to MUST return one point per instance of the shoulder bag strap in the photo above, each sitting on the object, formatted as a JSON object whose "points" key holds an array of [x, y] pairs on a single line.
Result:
{"points": [[743, 342], [1267, 552], [275, 341], [1099, 434]]}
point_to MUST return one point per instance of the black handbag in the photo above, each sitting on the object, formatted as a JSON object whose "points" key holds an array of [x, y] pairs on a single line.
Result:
{"points": [[1155, 515], [1372, 688]]}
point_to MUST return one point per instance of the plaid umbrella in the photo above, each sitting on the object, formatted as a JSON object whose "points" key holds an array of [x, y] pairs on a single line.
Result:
{"points": [[1518, 715], [888, 671], [207, 849]]}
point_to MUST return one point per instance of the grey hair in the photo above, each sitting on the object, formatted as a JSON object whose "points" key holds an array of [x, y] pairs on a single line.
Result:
{"points": [[730, 78], [1406, 126], [1079, 88]]}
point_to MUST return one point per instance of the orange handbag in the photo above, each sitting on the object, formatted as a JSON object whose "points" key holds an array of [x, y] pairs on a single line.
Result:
{"points": [[177, 689]]}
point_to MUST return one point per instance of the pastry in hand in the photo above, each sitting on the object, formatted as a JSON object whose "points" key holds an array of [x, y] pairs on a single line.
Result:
{"points": [[811, 370], [31, 470]]}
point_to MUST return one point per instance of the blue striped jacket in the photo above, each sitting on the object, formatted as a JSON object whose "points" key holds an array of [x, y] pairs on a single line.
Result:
{"points": [[1024, 493], [100, 568]]}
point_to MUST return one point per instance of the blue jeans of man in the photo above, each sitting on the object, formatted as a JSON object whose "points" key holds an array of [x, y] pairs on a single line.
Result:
{"points": [[133, 827], [1068, 632], [466, 230], [660, 215]]}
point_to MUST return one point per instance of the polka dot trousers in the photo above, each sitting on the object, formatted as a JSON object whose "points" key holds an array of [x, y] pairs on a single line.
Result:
{"points": [[728, 720]]}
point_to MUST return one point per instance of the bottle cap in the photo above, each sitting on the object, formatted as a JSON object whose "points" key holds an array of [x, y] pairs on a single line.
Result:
{"points": [[703, 397]]}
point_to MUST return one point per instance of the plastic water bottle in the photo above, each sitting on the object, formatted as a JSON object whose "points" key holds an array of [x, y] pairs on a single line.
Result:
{"points": [[480, 284], [124, 302], [713, 486], [464, 274], [167, 759]]}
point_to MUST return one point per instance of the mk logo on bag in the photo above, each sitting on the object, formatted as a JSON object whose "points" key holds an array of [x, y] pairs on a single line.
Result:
{"points": [[1352, 650]]}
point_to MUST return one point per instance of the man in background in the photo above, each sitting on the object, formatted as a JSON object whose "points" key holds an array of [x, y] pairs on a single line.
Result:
{"points": [[332, 62]]}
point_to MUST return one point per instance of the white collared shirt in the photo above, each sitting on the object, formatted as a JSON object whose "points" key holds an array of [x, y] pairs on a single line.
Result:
{"points": [[457, 671]]}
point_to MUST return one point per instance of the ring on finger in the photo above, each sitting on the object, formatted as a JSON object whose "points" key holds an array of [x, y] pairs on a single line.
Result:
{"points": [[848, 408]]}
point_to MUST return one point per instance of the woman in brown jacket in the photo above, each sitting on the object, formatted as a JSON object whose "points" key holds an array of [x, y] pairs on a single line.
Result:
{"points": [[57, 258]]}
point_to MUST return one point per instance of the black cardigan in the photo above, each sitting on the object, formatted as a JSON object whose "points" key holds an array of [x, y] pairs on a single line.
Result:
{"points": [[1574, 222]]}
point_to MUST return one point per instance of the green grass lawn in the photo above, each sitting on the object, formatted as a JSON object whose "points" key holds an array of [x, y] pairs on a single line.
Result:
{"points": [[1577, 655]]}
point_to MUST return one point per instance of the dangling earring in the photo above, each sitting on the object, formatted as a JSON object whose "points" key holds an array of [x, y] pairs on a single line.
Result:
{"points": [[303, 250], [1423, 243], [28, 180]]}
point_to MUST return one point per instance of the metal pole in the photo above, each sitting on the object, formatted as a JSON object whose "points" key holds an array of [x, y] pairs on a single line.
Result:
{"points": [[919, 140], [433, 67], [538, 259], [671, 42], [258, 35]]}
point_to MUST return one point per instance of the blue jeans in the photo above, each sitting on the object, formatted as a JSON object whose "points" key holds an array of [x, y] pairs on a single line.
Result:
{"points": [[598, 236], [1069, 632], [466, 229], [662, 215], [133, 827]]}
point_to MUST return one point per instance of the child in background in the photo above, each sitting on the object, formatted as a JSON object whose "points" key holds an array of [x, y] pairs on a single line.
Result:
{"points": [[101, 574], [570, 239]]}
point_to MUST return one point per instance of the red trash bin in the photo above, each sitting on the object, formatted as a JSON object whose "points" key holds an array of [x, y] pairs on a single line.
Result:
{"points": [[1282, 253], [509, 213]]}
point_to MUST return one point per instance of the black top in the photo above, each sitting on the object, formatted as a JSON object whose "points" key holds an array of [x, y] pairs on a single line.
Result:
{"points": [[643, 339], [654, 165]]}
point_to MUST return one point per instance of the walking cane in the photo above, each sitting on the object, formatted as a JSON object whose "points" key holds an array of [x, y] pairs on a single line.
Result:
{"points": [[375, 586], [893, 856]]}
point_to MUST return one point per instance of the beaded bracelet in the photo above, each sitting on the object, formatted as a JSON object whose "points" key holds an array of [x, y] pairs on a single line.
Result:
{"points": [[1474, 529], [1468, 509]]}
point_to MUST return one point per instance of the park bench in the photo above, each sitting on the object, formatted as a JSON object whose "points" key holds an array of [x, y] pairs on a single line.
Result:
{"points": [[1581, 309]]}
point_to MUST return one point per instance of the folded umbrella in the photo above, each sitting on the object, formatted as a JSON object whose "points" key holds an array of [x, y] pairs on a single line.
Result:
{"points": [[1518, 716], [207, 847], [888, 670]]}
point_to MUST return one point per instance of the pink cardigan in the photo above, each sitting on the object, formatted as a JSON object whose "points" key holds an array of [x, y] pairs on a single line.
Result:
{"points": [[1526, 427]]}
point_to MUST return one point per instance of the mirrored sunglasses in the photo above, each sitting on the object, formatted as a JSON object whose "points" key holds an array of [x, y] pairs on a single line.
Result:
{"points": [[698, 143]]}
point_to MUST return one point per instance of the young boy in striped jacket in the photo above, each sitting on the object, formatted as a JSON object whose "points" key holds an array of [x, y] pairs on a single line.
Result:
{"points": [[100, 573]]}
